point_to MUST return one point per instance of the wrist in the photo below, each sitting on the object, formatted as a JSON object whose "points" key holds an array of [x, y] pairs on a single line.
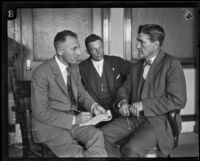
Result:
{"points": [[74, 121], [93, 107]]}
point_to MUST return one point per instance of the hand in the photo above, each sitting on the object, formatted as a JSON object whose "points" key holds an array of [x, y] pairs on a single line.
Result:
{"points": [[136, 108], [98, 110], [83, 117], [124, 109]]}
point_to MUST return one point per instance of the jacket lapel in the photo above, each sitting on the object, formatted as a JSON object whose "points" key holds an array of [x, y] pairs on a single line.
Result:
{"points": [[153, 69], [58, 76], [91, 79], [73, 81], [109, 71], [140, 81]]}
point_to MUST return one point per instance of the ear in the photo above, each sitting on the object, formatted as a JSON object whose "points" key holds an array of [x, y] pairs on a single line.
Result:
{"points": [[156, 44], [59, 51]]}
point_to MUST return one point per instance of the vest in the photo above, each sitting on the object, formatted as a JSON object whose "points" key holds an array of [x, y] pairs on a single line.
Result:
{"points": [[103, 90]]}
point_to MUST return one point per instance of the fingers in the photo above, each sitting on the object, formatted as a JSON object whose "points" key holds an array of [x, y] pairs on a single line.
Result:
{"points": [[124, 110], [134, 110], [99, 110]]}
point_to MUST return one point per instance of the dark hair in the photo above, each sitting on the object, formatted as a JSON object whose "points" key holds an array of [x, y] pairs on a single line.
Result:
{"points": [[61, 37], [92, 38], [155, 32]]}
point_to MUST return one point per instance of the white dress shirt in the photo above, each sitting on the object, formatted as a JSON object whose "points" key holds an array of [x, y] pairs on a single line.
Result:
{"points": [[98, 65], [63, 69], [147, 67]]}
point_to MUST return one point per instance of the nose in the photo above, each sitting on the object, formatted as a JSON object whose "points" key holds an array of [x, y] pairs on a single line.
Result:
{"points": [[78, 52], [138, 46]]}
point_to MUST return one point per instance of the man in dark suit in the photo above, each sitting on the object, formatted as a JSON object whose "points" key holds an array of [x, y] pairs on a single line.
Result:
{"points": [[154, 87], [102, 75], [55, 94]]}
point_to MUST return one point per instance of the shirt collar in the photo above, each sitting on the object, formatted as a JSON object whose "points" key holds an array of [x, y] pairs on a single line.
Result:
{"points": [[98, 62], [60, 64], [152, 59]]}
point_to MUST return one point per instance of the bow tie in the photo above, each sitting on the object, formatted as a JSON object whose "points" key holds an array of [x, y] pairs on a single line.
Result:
{"points": [[146, 62]]}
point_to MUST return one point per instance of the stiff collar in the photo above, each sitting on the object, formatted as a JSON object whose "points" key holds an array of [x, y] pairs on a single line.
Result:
{"points": [[62, 66]]}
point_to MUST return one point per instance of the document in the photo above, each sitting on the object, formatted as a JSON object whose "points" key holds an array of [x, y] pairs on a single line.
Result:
{"points": [[99, 118]]}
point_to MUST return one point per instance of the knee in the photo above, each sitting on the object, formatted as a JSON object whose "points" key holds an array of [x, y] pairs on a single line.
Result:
{"points": [[95, 133], [129, 150]]}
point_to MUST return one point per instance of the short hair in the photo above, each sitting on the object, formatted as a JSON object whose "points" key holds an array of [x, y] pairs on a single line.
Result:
{"points": [[155, 32], [92, 38], [61, 37]]}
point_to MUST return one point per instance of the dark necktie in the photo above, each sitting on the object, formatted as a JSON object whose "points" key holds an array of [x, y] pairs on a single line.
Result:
{"points": [[146, 62], [69, 86]]}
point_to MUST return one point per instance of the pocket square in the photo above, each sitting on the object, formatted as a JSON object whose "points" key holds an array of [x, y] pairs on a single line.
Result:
{"points": [[118, 77]]}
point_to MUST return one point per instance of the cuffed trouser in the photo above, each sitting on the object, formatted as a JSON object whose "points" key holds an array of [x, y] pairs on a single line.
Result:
{"points": [[68, 145], [141, 137]]}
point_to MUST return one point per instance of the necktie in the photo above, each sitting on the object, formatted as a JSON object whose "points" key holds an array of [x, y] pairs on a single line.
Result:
{"points": [[69, 86], [146, 64]]}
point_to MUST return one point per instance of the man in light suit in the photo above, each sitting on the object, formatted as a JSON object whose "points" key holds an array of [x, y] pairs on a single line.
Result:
{"points": [[154, 87], [55, 94], [102, 75]]}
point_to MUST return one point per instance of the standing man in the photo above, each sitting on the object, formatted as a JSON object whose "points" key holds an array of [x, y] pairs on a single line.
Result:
{"points": [[102, 75], [154, 87], [55, 94]]}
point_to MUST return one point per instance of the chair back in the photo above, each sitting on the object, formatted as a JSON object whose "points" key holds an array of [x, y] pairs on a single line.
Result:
{"points": [[22, 95]]}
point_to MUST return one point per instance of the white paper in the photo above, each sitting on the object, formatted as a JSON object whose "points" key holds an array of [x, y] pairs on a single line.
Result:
{"points": [[99, 118]]}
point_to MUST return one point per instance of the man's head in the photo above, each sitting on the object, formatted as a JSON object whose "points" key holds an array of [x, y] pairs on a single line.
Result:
{"points": [[150, 39], [94, 45], [67, 46]]}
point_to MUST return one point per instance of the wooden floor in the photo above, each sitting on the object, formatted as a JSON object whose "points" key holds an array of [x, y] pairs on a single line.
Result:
{"points": [[188, 147]]}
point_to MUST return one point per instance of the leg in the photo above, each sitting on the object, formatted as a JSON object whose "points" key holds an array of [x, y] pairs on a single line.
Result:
{"points": [[114, 131], [92, 138], [65, 146], [143, 140]]}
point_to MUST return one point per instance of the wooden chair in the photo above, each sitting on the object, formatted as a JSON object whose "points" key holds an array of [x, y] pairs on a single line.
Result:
{"points": [[155, 152], [23, 109]]}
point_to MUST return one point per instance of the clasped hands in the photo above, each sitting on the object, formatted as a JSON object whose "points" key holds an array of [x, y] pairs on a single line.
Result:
{"points": [[84, 117], [135, 108]]}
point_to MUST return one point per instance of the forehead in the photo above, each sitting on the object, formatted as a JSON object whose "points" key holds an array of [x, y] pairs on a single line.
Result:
{"points": [[143, 37], [95, 43]]}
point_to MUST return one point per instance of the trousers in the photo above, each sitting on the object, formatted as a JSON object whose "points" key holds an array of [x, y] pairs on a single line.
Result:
{"points": [[80, 141], [138, 133]]}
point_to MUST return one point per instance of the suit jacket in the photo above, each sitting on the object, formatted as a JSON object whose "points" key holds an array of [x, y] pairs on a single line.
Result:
{"points": [[164, 90], [50, 101], [116, 70]]}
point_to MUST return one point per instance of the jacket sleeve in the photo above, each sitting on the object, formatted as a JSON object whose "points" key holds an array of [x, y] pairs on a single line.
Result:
{"points": [[125, 67], [42, 109], [175, 93], [124, 91]]}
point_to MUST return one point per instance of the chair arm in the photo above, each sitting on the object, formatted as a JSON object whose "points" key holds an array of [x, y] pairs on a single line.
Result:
{"points": [[174, 125]]}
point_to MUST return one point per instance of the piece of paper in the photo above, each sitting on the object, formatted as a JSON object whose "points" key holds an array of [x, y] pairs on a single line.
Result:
{"points": [[99, 118]]}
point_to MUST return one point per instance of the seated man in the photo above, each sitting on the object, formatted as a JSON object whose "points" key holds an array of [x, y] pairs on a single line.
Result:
{"points": [[102, 75], [154, 87], [55, 94]]}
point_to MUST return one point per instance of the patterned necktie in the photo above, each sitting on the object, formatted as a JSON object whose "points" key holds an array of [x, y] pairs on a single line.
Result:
{"points": [[69, 86], [146, 64]]}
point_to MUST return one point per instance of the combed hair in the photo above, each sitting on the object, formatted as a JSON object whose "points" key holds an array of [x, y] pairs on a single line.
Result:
{"points": [[92, 38], [155, 32], [61, 37]]}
